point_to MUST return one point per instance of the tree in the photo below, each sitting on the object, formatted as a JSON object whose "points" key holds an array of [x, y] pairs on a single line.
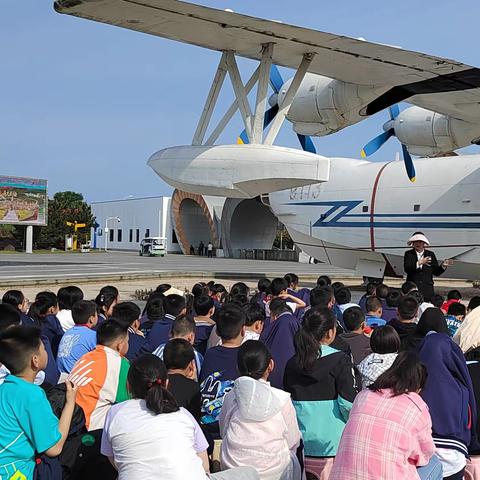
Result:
{"points": [[64, 207]]}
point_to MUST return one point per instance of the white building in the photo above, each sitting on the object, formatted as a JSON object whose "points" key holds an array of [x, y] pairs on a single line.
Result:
{"points": [[129, 221]]}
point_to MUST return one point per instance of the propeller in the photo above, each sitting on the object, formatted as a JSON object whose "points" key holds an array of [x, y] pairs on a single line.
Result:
{"points": [[373, 145], [276, 82]]}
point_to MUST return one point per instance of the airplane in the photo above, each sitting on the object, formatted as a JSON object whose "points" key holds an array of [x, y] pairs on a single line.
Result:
{"points": [[347, 212]]}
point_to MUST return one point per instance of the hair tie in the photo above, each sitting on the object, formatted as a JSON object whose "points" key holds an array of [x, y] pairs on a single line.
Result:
{"points": [[158, 381]]}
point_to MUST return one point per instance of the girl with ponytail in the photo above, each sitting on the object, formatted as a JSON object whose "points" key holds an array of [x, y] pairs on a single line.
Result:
{"points": [[149, 436], [322, 384], [106, 299], [43, 312], [258, 424]]}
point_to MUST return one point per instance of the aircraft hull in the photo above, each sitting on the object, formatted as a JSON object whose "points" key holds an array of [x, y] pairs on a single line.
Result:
{"points": [[362, 218]]}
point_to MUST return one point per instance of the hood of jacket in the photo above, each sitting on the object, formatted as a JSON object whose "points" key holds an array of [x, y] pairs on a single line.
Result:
{"points": [[257, 400]]}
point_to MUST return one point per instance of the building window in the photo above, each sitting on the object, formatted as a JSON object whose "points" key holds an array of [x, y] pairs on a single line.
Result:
{"points": [[147, 233], [130, 235], [416, 208], [137, 235], [111, 232], [174, 237], [365, 208], [119, 235]]}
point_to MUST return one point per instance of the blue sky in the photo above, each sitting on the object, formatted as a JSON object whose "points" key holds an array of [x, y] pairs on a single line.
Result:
{"points": [[84, 105]]}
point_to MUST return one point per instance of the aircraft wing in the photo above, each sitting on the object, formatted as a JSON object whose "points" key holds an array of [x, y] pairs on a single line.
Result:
{"points": [[436, 83]]}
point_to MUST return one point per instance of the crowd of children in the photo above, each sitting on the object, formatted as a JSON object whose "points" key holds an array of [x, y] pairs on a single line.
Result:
{"points": [[287, 378]]}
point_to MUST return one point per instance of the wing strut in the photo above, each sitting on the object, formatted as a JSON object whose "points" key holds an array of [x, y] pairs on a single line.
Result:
{"points": [[254, 122]]}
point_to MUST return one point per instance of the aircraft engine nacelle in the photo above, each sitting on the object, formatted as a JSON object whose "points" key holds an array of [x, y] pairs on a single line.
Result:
{"points": [[323, 106], [430, 134]]}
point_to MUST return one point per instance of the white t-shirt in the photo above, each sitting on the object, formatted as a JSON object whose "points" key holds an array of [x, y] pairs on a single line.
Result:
{"points": [[66, 320], [452, 461], [147, 446]]}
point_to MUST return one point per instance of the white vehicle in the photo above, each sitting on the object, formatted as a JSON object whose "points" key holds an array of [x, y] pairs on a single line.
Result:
{"points": [[346, 212], [153, 247]]}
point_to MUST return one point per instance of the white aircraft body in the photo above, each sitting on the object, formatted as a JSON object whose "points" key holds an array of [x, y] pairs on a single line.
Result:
{"points": [[362, 217], [346, 212]]}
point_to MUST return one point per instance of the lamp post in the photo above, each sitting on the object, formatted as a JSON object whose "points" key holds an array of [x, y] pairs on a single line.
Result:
{"points": [[106, 229]]}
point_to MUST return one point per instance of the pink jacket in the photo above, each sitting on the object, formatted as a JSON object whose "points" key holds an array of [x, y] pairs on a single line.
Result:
{"points": [[385, 437], [259, 428]]}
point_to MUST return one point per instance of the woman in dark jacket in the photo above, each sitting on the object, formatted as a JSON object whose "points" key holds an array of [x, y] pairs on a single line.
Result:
{"points": [[422, 265]]}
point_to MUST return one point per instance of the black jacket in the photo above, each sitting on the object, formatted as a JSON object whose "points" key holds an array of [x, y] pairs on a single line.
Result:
{"points": [[422, 277]]}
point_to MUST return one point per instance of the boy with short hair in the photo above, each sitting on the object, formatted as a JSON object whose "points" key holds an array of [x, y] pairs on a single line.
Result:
{"points": [[174, 305], [406, 322], [80, 339], [101, 374], [343, 298], [129, 314], [204, 307], [279, 288], [255, 321], [183, 327], [453, 296], [391, 300], [219, 370], [179, 358], [27, 422], [455, 316], [359, 343], [278, 337], [373, 317]]}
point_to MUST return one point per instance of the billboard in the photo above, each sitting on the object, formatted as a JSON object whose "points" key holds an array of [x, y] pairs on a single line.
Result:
{"points": [[23, 201]]}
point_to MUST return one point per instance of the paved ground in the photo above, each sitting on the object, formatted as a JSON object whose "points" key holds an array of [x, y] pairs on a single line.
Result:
{"points": [[60, 267]]}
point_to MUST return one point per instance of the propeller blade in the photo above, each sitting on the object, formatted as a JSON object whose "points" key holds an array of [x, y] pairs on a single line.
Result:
{"points": [[306, 143], [269, 116], [394, 111], [276, 80], [373, 145], [409, 167]]}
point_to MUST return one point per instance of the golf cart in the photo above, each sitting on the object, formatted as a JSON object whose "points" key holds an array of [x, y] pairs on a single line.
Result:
{"points": [[153, 246]]}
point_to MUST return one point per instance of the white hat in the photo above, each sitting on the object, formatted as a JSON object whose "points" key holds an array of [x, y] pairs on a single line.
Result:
{"points": [[418, 237]]}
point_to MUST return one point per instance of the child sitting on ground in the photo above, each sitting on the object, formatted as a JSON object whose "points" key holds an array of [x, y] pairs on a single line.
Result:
{"points": [[204, 307], [153, 312], [101, 374], [279, 288], [390, 310], [151, 437], [321, 381], [343, 298], [179, 358], [17, 299], [455, 316], [128, 313], [80, 339], [27, 423], [385, 344], [183, 327], [453, 296], [373, 317], [67, 296], [43, 311], [255, 321], [219, 369], [358, 342], [174, 305], [258, 423]]}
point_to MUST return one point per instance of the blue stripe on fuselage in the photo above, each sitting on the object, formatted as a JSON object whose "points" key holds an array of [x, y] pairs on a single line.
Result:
{"points": [[342, 210]]}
